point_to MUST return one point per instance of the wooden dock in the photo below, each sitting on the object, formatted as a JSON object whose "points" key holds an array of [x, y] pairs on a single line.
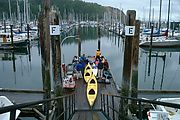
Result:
{"points": [[83, 110]]}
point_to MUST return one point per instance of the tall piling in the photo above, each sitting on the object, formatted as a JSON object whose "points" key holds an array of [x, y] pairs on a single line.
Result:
{"points": [[127, 66], [79, 40], [56, 58], [28, 36], [45, 51], [99, 35], [150, 50], [12, 41], [135, 56], [5, 26]]}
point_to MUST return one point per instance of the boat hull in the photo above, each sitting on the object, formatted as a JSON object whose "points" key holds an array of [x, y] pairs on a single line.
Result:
{"points": [[4, 101], [161, 44], [68, 82]]}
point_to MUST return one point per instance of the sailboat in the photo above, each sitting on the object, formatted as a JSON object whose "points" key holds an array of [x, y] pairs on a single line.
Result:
{"points": [[163, 41]]}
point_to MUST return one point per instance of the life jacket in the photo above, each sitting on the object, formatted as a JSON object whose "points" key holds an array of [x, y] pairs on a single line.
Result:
{"points": [[98, 53]]}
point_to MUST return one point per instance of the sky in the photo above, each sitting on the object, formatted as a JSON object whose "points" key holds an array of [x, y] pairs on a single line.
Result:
{"points": [[142, 7]]}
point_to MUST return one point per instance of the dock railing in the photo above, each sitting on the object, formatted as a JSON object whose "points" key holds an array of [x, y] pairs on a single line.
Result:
{"points": [[116, 107], [67, 113]]}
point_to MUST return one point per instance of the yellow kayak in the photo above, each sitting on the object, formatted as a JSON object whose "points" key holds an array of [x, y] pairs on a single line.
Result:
{"points": [[88, 66], [87, 74], [92, 88]]}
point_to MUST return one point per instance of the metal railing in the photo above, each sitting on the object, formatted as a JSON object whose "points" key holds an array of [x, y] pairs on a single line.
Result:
{"points": [[68, 102], [116, 107]]}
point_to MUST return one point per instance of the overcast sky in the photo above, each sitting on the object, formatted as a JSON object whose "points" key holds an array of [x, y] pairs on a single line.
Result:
{"points": [[142, 7]]}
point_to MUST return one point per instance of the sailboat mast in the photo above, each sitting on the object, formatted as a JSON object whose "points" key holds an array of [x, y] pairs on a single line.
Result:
{"points": [[168, 17], [25, 11], [153, 16], [150, 13], [18, 12], [10, 11], [160, 14]]}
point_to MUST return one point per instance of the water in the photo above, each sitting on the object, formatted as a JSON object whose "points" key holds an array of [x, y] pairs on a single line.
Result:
{"points": [[164, 71], [163, 75]]}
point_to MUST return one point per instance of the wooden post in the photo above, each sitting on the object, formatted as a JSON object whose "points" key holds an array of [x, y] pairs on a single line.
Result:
{"points": [[135, 56], [12, 42], [131, 15], [28, 32], [99, 34], [120, 28], [56, 52], [79, 40], [14, 62], [169, 4], [29, 49], [150, 50], [5, 26], [45, 40]]}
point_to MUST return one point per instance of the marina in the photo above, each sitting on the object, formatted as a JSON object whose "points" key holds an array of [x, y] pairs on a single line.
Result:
{"points": [[57, 63]]}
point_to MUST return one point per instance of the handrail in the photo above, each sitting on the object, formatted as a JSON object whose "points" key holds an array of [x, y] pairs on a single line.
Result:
{"points": [[107, 106], [23, 105], [147, 101], [67, 38], [13, 108]]}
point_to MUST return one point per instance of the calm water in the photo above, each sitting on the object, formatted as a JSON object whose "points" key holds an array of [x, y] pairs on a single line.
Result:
{"points": [[161, 74]]}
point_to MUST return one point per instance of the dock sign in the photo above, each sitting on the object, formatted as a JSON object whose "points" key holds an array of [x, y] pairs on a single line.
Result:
{"points": [[54, 30], [129, 30]]}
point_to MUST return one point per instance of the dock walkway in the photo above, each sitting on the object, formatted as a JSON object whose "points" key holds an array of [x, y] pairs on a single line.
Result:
{"points": [[83, 110]]}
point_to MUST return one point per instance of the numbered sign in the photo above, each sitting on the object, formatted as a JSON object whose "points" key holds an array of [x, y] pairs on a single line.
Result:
{"points": [[129, 30], [54, 30]]}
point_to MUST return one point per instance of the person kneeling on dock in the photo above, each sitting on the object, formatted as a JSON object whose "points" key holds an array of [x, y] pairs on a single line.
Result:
{"points": [[106, 65]]}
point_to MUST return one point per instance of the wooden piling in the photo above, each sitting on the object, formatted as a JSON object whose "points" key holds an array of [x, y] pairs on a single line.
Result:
{"points": [[29, 49], [150, 50], [45, 51], [5, 26], [79, 40], [41, 38], [12, 42], [131, 15], [14, 62], [99, 34], [135, 56], [28, 32], [57, 65]]}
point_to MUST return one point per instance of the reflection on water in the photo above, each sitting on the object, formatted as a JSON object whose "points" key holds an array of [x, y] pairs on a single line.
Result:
{"points": [[163, 71], [20, 73]]}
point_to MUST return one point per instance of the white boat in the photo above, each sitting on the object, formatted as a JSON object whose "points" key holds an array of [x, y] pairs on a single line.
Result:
{"points": [[68, 82], [161, 42], [18, 40], [4, 101], [165, 113]]}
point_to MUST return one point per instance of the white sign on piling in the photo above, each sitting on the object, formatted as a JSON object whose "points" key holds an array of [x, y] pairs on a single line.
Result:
{"points": [[129, 30], [54, 30]]}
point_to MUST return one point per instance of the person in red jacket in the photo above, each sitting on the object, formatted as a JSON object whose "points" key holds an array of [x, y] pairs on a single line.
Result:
{"points": [[106, 65]]}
